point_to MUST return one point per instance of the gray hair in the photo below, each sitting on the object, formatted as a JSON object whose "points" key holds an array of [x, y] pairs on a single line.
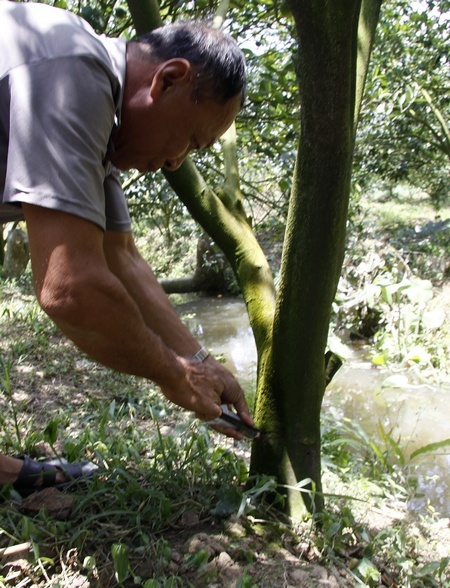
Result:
{"points": [[219, 62]]}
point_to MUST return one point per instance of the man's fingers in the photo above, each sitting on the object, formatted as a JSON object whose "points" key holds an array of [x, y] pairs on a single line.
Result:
{"points": [[242, 410], [233, 395], [207, 386], [209, 415], [219, 385], [205, 401]]}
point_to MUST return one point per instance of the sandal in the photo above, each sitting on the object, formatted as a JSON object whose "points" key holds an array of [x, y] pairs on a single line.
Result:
{"points": [[47, 470]]}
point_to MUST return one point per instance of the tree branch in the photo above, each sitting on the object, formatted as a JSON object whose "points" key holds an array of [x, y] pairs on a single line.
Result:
{"points": [[438, 114]]}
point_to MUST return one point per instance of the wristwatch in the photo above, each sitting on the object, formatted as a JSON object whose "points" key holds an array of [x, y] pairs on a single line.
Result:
{"points": [[201, 355]]}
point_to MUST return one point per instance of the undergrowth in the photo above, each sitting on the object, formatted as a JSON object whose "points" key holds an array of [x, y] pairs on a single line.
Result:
{"points": [[165, 478]]}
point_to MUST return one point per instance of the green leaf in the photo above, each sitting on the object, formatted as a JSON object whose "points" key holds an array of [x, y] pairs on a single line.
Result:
{"points": [[419, 291], [172, 582], [197, 559], [433, 319], [379, 359], [152, 584], [51, 432], [112, 409], [245, 581], [368, 570], [89, 562], [429, 569], [445, 561], [396, 381], [430, 448], [229, 502], [333, 529], [418, 354], [119, 553], [390, 441]]}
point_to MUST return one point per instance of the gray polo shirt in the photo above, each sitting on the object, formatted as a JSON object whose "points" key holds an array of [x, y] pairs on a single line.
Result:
{"points": [[61, 88]]}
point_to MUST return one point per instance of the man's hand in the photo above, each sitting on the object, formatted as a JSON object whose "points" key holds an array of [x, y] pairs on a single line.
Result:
{"points": [[232, 394], [105, 298], [198, 391], [205, 387]]}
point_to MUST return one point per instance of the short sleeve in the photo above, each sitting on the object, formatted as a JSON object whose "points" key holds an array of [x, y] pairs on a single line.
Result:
{"points": [[116, 208], [62, 115]]}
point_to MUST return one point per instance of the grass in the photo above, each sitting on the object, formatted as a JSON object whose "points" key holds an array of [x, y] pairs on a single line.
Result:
{"points": [[402, 204], [171, 506]]}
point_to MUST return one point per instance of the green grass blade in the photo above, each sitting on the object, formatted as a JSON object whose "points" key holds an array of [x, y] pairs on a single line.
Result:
{"points": [[430, 448]]}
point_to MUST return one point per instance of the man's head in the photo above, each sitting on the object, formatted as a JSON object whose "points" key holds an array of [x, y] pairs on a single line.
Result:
{"points": [[218, 61], [184, 86]]}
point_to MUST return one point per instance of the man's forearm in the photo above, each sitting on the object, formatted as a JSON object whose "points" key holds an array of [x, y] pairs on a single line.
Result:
{"points": [[108, 326], [80, 287], [105, 322], [140, 282], [89, 303], [160, 316]]}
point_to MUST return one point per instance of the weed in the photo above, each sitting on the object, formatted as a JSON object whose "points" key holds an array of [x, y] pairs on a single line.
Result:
{"points": [[373, 470]]}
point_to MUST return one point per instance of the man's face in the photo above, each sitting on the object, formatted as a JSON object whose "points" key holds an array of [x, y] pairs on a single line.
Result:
{"points": [[160, 129]]}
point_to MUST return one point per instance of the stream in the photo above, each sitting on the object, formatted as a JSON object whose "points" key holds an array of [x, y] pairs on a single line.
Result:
{"points": [[414, 415]]}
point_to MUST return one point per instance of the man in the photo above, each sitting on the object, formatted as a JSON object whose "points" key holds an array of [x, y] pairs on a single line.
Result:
{"points": [[74, 108]]}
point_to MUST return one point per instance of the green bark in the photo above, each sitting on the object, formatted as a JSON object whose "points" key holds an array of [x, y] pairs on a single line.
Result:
{"points": [[290, 396], [368, 20], [145, 15], [224, 219]]}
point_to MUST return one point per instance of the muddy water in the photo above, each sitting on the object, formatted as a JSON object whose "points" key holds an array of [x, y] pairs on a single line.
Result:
{"points": [[415, 415]]}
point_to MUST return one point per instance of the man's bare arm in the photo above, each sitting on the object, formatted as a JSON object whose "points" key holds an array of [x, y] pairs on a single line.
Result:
{"points": [[127, 264], [95, 310]]}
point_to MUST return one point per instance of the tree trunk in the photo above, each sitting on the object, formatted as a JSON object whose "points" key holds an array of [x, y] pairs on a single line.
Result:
{"points": [[292, 371], [17, 253], [225, 221], [209, 275], [290, 395], [145, 15]]}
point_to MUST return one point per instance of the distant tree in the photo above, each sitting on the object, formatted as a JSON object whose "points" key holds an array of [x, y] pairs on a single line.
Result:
{"points": [[404, 135]]}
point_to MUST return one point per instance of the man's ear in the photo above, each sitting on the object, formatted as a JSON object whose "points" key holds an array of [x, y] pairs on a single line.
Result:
{"points": [[171, 75]]}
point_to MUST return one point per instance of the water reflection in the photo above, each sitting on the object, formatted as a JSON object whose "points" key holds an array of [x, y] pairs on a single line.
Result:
{"points": [[417, 414], [414, 416]]}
